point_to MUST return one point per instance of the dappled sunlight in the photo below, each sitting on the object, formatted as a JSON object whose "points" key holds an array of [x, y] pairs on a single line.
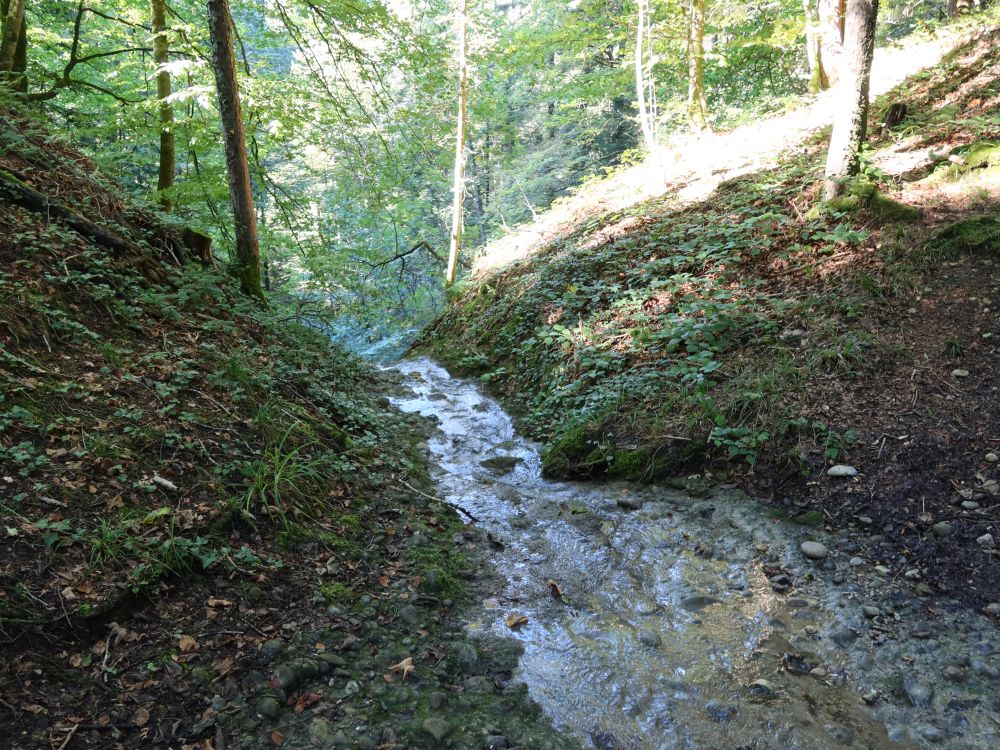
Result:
{"points": [[689, 167]]}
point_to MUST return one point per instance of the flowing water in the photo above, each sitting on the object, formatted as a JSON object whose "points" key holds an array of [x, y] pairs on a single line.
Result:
{"points": [[651, 619]]}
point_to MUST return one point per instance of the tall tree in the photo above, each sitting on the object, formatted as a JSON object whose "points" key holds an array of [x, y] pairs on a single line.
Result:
{"points": [[851, 120], [697, 106], [819, 79], [11, 39], [458, 186], [234, 140], [647, 120], [161, 49]]}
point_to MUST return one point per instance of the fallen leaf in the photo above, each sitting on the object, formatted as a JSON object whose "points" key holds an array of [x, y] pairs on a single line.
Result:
{"points": [[141, 717], [515, 621], [67, 594], [187, 643], [219, 603], [554, 588], [404, 667], [277, 738], [307, 700]]}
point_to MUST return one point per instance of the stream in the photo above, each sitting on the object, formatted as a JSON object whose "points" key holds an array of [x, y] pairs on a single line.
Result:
{"points": [[660, 618]]}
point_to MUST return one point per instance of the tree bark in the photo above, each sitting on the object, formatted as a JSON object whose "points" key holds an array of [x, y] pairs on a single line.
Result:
{"points": [[13, 24], [819, 79], [158, 12], [697, 106], [831, 33], [850, 125], [234, 140], [646, 123], [458, 186]]}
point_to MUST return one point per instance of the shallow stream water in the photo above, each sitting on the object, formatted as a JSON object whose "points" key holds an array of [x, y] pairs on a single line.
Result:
{"points": [[666, 619]]}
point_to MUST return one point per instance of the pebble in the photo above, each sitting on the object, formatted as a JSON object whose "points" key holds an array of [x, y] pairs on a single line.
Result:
{"points": [[268, 707], [842, 470], [882, 570], [843, 637], [970, 505], [436, 728], [437, 700], [320, 732], [991, 458], [871, 612], [992, 486], [992, 609], [409, 615], [856, 562], [865, 520], [986, 541], [959, 373], [953, 673], [814, 550], [696, 602], [941, 528], [983, 669]]}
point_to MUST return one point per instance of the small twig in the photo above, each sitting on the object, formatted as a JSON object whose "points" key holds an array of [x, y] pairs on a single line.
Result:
{"points": [[456, 506], [69, 736]]}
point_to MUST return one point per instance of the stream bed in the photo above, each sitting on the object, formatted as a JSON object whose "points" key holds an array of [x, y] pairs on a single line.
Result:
{"points": [[654, 617]]}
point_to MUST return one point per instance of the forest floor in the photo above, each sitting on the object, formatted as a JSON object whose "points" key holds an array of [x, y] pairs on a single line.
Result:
{"points": [[731, 328], [212, 532]]}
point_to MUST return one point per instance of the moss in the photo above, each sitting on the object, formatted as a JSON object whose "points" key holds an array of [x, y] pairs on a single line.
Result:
{"points": [[976, 233], [860, 194], [337, 593], [810, 518], [438, 569]]}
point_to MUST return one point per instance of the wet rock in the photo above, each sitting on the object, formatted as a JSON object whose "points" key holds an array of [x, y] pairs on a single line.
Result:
{"points": [[933, 734], [285, 676], [436, 728], [501, 464], [953, 673], [842, 470], [814, 550], [437, 700], [919, 694], [697, 602], [843, 637], [941, 528], [720, 712], [781, 583], [983, 669], [871, 612], [761, 689], [650, 638], [843, 735], [629, 502], [321, 732], [268, 707]]}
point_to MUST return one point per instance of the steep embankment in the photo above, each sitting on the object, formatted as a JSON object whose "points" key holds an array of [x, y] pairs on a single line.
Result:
{"points": [[209, 529], [752, 331]]}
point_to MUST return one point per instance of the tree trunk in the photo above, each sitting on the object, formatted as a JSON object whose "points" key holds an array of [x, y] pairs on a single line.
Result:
{"points": [[459, 184], [234, 139], [13, 24], [831, 34], [843, 160], [819, 80], [646, 123], [697, 107], [160, 57]]}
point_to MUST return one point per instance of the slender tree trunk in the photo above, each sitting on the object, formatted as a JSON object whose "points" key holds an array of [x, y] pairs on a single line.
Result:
{"points": [[13, 24], [818, 78], [697, 107], [234, 139], [831, 33], [160, 52], [843, 160], [459, 184], [645, 121]]}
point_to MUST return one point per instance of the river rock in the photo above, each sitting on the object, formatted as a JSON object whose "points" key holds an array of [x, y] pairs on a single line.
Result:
{"points": [[696, 602], [871, 612], [814, 550], [842, 470], [761, 689], [436, 728], [918, 693], [856, 562], [629, 502], [501, 464]]}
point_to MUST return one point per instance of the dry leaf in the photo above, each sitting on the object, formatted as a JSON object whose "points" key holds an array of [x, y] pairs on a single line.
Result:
{"points": [[141, 717], [187, 643], [515, 621], [404, 667], [554, 588], [67, 594], [277, 738], [219, 603]]}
